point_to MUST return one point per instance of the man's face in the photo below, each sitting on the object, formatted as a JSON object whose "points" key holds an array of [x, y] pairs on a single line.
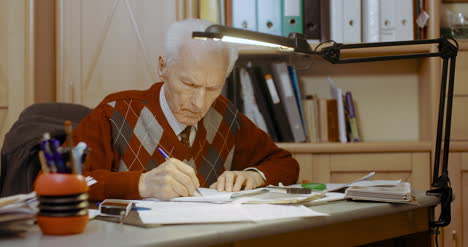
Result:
{"points": [[193, 82]]}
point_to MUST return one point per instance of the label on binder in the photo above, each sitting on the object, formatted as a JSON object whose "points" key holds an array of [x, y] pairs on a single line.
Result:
{"points": [[274, 94]]}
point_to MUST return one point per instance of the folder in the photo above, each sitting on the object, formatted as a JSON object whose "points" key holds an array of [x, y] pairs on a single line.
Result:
{"points": [[404, 20], [298, 94], [336, 20], [244, 14], [209, 10], [312, 19], [387, 20], [292, 17], [370, 20], [251, 109], [286, 93], [269, 16], [351, 21]]}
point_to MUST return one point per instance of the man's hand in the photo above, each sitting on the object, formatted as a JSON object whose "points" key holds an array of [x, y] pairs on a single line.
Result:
{"points": [[233, 181], [171, 179]]}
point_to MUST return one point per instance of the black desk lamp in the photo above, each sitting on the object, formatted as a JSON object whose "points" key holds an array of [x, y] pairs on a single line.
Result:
{"points": [[447, 51]]}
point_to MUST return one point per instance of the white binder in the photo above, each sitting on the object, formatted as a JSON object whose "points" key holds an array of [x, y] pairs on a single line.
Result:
{"points": [[336, 20], [269, 16], [404, 18], [370, 21], [387, 20], [244, 14], [351, 21]]}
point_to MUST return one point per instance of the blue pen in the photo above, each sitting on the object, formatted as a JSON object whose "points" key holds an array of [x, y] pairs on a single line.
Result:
{"points": [[54, 146], [45, 146], [166, 156]]}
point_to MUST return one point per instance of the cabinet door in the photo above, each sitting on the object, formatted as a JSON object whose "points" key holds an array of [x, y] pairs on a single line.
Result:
{"points": [[345, 168], [456, 233], [107, 46]]}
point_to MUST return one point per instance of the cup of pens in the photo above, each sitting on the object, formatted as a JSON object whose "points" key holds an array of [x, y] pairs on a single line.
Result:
{"points": [[61, 189]]}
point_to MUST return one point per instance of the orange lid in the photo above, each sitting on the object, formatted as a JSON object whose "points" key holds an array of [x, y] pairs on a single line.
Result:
{"points": [[268, 77], [55, 184]]}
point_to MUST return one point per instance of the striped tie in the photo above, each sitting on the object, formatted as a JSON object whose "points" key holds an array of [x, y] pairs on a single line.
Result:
{"points": [[185, 136]]}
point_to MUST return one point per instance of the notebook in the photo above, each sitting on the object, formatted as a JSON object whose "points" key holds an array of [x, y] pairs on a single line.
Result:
{"points": [[400, 193]]}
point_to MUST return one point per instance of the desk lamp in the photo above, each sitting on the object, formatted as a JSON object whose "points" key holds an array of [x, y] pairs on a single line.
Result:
{"points": [[447, 51]]}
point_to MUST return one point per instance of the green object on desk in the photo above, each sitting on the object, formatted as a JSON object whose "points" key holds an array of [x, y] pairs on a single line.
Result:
{"points": [[314, 186]]}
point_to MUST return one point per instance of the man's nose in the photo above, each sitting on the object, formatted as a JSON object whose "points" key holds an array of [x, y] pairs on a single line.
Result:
{"points": [[198, 99]]}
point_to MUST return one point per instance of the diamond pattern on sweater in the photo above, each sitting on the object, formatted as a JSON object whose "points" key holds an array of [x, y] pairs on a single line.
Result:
{"points": [[121, 132], [148, 130], [212, 166], [112, 103], [122, 166], [231, 115], [151, 165], [228, 162], [212, 121]]}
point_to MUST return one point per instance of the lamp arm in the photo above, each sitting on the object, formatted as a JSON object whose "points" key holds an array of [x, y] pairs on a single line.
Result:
{"points": [[448, 52]]}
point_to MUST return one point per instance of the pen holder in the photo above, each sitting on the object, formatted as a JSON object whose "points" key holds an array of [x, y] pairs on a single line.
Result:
{"points": [[63, 203]]}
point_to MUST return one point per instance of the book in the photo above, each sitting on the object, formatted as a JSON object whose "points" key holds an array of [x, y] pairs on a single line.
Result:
{"points": [[323, 119], [209, 10], [399, 193], [311, 118], [298, 94], [285, 91], [332, 121], [351, 114]]}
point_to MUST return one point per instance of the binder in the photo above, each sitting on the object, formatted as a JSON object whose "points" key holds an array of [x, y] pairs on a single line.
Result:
{"points": [[209, 10], [292, 17], [404, 20], [279, 115], [297, 93], [244, 14], [387, 20], [351, 21], [312, 19], [311, 118], [354, 135], [269, 16], [263, 102], [336, 20], [250, 104], [286, 93], [370, 20]]}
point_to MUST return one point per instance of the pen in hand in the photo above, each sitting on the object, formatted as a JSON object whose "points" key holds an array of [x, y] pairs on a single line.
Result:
{"points": [[166, 156]]}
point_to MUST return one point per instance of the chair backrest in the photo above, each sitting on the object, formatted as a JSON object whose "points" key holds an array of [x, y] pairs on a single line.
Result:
{"points": [[19, 163]]}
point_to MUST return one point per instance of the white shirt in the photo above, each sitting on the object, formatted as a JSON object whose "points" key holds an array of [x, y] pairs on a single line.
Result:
{"points": [[178, 127]]}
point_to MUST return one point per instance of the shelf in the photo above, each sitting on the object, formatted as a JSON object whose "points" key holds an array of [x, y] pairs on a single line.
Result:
{"points": [[358, 147], [463, 44]]}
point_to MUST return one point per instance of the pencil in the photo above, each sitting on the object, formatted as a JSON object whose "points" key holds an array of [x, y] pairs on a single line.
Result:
{"points": [[68, 131], [166, 156]]}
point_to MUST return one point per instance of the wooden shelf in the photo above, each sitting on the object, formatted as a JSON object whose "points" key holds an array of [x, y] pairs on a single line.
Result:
{"points": [[358, 147], [463, 44]]}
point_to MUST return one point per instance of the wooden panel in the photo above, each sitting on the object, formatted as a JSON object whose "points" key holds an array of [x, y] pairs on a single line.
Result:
{"points": [[371, 162], [461, 87], [3, 56], [452, 233], [421, 171], [321, 168], [305, 165], [460, 121], [110, 46]]}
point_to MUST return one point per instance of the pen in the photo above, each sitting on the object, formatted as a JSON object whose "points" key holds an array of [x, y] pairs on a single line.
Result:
{"points": [[166, 156]]}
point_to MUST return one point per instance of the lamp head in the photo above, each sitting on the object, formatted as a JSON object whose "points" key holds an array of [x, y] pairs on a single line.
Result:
{"points": [[293, 43]]}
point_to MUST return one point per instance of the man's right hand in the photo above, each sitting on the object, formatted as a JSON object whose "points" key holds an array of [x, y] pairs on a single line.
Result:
{"points": [[171, 179]]}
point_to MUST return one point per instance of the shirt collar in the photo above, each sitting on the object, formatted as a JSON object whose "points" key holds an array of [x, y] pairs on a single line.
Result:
{"points": [[176, 126]]}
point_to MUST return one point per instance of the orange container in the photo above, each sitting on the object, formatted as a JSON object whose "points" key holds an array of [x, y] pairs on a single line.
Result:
{"points": [[52, 189]]}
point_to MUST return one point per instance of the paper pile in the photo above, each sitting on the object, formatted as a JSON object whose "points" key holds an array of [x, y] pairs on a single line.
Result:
{"points": [[17, 212], [381, 190]]}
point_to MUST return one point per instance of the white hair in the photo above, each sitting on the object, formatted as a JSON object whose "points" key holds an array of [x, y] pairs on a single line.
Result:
{"points": [[180, 33]]}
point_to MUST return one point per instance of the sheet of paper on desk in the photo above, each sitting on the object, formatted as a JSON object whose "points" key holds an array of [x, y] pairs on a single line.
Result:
{"points": [[193, 212]]}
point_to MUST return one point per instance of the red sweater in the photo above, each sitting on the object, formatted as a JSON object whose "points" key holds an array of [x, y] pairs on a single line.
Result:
{"points": [[125, 129]]}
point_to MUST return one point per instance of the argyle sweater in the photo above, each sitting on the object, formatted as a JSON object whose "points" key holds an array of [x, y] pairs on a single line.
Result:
{"points": [[125, 129]]}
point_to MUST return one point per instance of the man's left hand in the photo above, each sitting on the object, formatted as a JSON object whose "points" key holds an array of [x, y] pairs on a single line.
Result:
{"points": [[234, 181]]}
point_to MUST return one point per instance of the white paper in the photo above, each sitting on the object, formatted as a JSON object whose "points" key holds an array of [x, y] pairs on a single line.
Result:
{"points": [[370, 183], [193, 212]]}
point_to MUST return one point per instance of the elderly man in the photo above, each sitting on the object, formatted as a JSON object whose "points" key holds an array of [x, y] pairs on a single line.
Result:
{"points": [[209, 142]]}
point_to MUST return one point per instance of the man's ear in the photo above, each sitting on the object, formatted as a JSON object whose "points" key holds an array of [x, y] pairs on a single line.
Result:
{"points": [[162, 68]]}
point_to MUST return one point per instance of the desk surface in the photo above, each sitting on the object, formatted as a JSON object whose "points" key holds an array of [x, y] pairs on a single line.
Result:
{"points": [[101, 233]]}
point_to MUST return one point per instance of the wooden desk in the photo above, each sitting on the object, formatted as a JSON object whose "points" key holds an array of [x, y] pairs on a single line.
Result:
{"points": [[350, 223]]}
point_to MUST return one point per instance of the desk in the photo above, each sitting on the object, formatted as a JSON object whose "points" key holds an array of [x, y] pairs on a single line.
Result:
{"points": [[349, 223]]}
